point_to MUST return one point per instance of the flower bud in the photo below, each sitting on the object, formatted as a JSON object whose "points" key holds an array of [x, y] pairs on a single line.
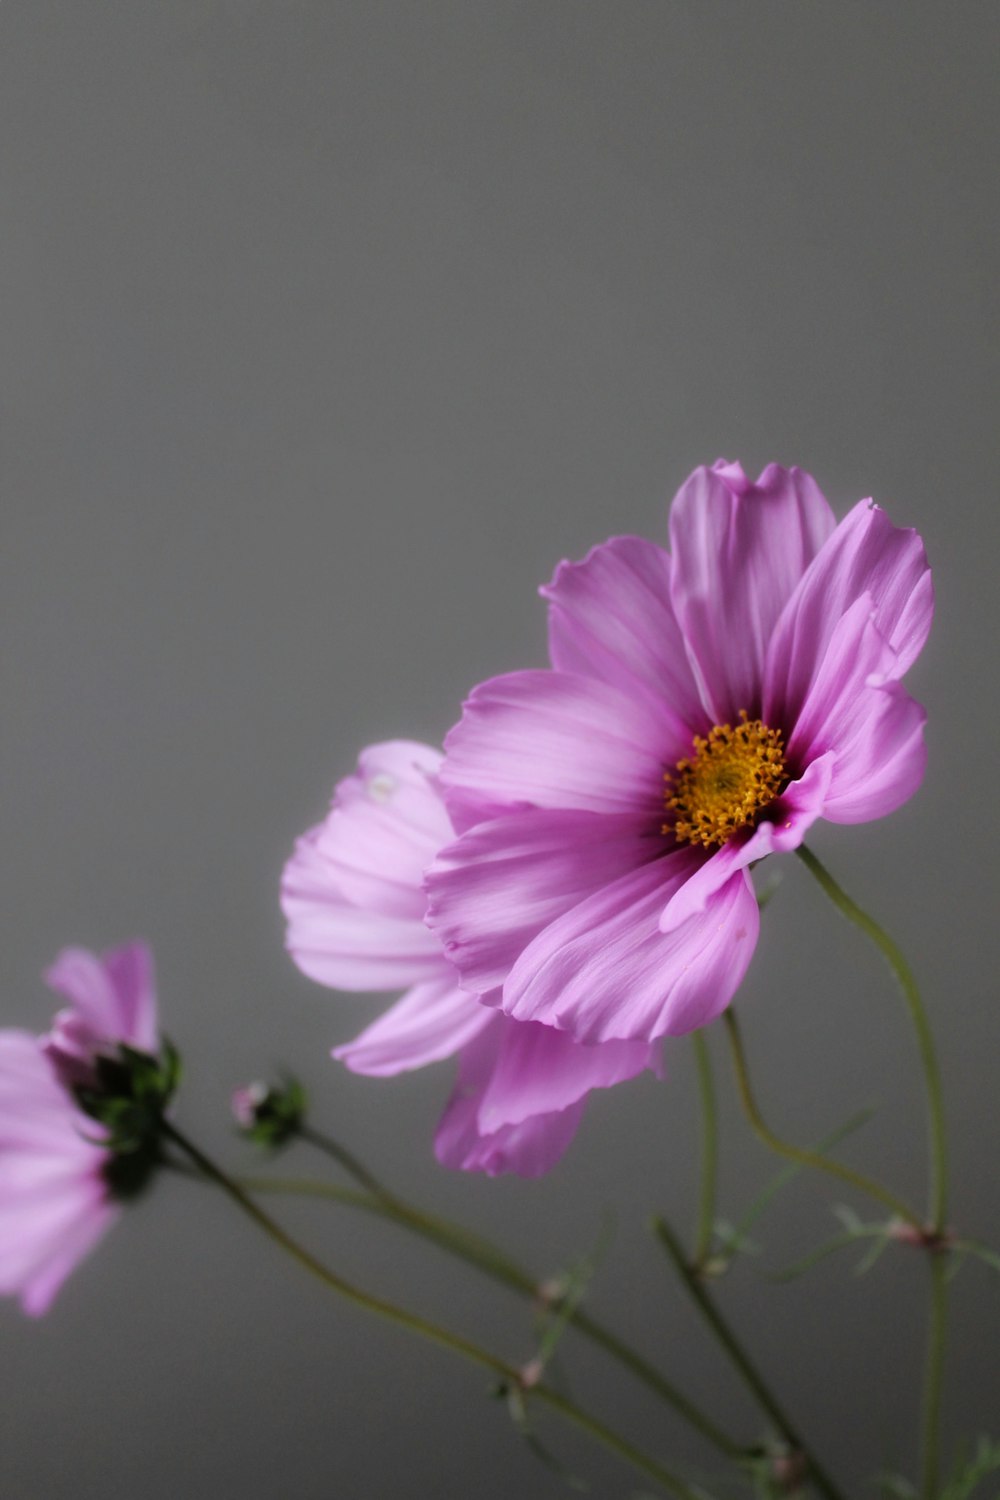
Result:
{"points": [[269, 1114]]}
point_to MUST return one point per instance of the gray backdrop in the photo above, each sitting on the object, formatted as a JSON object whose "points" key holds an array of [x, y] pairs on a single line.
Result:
{"points": [[328, 328]]}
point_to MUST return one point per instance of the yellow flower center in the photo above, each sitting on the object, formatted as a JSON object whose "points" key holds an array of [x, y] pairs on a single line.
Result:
{"points": [[731, 777]]}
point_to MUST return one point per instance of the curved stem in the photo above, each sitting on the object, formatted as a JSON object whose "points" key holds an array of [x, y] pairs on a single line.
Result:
{"points": [[703, 1300], [346, 1159], [709, 1149], [921, 1026], [800, 1154], [446, 1236], [933, 1376], [426, 1329], [486, 1258]]}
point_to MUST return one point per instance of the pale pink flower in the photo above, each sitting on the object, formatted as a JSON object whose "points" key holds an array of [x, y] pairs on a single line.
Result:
{"points": [[352, 895], [705, 706], [56, 1194]]}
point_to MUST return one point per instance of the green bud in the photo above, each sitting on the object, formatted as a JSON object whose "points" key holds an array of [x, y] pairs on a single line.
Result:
{"points": [[269, 1114]]}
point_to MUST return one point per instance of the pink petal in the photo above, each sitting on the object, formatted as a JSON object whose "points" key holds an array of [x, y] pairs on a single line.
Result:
{"points": [[605, 971], [492, 891], [53, 1198], [399, 773], [546, 739], [384, 827], [36, 1113], [611, 617], [114, 994], [856, 710], [866, 555], [528, 1149], [788, 820], [739, 550], [130, 970], [78, 1239], [431, 1021], [539, 1070], [37, 1173], [341, 945], [35, 1212], [82, 979], [24, 1072]]}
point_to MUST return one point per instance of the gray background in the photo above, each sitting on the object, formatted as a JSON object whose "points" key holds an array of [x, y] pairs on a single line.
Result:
{"points": [[327, 330]]}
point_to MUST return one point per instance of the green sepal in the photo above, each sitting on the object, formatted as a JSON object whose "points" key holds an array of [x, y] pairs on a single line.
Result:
{"points": [[129, 1095]]}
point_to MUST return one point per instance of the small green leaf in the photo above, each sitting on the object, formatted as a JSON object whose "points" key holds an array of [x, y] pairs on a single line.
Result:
{"points": [[969, 1472]]}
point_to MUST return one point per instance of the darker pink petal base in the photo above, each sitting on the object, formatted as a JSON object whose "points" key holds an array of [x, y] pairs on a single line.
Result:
{"points": [[789, 820]]}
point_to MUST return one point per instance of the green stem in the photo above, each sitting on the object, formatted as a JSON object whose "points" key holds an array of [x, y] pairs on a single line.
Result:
{"points": [[346, 1159], [485, 1257], [933, 1376], [439, 1232], [937, 1150], [425, 1329], [709, 1150], [706, 1305], [800, 1154], [921, 1026]]}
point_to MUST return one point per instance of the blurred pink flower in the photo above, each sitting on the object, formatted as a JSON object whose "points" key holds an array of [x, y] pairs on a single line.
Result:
{"points": [[352, 895], [704, 707], [56, 1197]]}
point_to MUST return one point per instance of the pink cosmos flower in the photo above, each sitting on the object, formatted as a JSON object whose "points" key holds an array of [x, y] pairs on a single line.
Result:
{"points": [[352, 895], [704, 707], [56, 1200]]}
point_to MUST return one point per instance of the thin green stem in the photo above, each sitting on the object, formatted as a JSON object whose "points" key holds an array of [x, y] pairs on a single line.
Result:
{"points": [[755, 1381], [439, 1232], [474, 1248], [485, 1257], [800, 1154], [933, 1376], [741, 1229], [921, 1026], [428, 1330], [709, 1149], [346, 1159]]}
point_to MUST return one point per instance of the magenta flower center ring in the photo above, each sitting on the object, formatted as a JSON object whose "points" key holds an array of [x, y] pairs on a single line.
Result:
{"points": [[733, 775]]}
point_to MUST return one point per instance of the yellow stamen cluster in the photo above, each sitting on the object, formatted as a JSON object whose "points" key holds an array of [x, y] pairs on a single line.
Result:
{"points": [[731, 777]]}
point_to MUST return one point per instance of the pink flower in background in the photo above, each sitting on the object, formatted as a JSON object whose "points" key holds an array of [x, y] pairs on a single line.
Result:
{"points": [[56, 1200], [352, 895], [704, 707]]}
